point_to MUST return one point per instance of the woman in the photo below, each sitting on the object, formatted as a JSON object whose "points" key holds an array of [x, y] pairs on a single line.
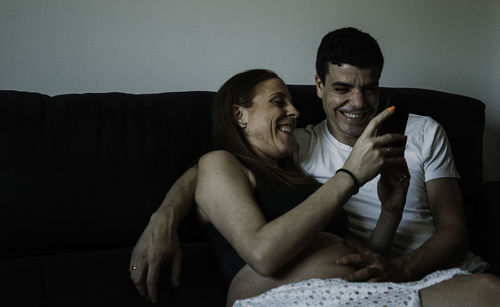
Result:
{"points": [[264, 216]]}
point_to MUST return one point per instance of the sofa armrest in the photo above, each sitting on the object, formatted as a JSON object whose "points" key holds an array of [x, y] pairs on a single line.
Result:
{"points": [[486, 231]]}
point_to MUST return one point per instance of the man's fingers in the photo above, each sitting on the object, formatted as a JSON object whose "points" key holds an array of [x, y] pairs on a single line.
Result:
{"points": [[152, 282], [353, 259], [379, 279], [364, 251], [176, 269], [138, 277], [361, 275]]}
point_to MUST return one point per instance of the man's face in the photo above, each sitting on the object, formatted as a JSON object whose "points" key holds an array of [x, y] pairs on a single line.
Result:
{"points": [[350, 100]]}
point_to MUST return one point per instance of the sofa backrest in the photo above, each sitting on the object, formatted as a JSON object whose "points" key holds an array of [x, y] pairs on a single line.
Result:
{"points": [[85, 171]]}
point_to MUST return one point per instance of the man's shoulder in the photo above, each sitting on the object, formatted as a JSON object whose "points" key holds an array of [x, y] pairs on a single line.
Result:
{"points": [[309, 131], [420, 124], [423, 119], [307, 141]]}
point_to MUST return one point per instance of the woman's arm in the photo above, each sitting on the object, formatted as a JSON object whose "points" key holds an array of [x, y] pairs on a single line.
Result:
{"points": [[224, 194]]}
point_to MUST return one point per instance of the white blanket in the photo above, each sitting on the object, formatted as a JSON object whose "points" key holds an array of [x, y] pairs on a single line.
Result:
{"points": [[338, 292]]}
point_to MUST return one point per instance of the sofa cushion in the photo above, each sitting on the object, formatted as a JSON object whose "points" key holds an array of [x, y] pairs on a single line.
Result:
{"points": [[101, 278]]}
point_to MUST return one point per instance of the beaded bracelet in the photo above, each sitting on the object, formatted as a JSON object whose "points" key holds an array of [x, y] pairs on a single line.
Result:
{"points": [[356, 182]]}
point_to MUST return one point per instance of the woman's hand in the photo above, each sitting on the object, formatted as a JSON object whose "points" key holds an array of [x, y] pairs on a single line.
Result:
{"points": [[371, 152]]}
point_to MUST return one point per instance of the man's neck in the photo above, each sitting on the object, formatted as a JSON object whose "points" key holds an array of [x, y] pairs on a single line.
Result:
{"points": [[342, 138]]}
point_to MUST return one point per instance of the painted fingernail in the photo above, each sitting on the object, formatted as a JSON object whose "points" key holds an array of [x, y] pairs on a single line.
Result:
{"points": [[392, 108]]}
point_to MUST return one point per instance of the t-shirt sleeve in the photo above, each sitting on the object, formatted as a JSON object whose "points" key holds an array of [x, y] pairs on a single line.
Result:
{"points": [[436, 153], [302, 145]]}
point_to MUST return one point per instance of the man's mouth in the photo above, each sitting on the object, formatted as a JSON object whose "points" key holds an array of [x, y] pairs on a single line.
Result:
{"points": [[354, 115]]}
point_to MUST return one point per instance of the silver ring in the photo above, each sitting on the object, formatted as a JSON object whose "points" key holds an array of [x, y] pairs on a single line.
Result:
{"points": [[134, 268]]}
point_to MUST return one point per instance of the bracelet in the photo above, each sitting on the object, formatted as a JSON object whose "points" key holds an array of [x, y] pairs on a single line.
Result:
{"points": [[356, 182]]}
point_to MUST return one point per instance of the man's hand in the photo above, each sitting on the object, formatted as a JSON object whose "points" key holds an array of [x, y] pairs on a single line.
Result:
{"points": [[158, 243], [373, 267], [393, 186]]}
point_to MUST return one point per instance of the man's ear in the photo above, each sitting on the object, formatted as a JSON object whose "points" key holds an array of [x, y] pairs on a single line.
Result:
{"points": [[240, 115], [319, 86]]}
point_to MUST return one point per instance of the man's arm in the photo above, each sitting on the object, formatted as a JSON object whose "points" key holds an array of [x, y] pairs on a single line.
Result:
{"points": [[449, 243], [160, 242], [445, 248]]}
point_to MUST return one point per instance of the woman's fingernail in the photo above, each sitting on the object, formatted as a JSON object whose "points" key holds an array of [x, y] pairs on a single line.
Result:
{"points": [[392, 108]]}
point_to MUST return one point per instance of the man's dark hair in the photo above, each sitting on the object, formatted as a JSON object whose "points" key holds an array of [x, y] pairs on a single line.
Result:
{"points": [[348, 46]]}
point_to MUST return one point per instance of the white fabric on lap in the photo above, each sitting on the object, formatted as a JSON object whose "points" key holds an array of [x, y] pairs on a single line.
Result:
{"points": [[338, 292]]}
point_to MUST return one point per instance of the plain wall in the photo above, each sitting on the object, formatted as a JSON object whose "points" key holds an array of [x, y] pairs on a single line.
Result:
{"points": [[68, 46]]}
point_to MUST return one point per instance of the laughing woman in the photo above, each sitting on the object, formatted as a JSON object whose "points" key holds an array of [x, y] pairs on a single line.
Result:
{"points": [[269, 223]]}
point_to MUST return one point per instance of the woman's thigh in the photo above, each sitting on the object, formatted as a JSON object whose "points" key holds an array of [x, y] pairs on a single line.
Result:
{"points": [[463, 290], [315, 261]]}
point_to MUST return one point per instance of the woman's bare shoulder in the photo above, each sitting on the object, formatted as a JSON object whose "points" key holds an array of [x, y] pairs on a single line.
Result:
{"points": [[222, 161], [219, 156]]}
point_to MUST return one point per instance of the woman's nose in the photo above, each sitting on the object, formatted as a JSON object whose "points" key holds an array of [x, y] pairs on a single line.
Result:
{"points": [[292, 112]]}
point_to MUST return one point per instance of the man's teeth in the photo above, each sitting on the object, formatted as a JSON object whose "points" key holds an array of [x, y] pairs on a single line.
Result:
{"points": [[286, 129], [352, 115]]}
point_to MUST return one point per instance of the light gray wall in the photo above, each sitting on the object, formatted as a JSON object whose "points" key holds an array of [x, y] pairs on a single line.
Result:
{"points": [[66, 46]]}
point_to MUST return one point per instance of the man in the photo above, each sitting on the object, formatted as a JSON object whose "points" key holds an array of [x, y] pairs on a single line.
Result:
{"points": [[432, 233]]}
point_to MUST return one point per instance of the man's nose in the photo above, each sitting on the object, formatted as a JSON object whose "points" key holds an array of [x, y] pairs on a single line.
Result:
{"points": [[357, 99]]}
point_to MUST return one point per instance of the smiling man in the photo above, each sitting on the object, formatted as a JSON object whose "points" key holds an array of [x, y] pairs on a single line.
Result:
{"points": [[432, 234]]}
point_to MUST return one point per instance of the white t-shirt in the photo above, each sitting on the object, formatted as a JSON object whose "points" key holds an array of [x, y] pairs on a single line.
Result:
{"points": [[428, 155]]}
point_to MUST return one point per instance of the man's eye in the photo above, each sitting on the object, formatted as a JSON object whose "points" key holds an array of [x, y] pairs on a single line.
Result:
{"points": [[371, 90], [278, 102], [341, 89]]}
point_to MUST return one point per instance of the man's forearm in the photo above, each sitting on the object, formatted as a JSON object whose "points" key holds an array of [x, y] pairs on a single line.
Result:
{"points": [[443, 250], [179, 199]]}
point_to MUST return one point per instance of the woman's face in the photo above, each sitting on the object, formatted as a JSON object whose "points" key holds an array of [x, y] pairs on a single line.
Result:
{"points": [[271, 120]]}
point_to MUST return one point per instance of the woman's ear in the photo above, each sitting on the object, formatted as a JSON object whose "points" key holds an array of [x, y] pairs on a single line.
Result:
{"points": [[240, 115]]}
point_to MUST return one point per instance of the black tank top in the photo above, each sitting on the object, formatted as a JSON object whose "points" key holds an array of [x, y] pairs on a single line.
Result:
{"points": [[273, 204]]}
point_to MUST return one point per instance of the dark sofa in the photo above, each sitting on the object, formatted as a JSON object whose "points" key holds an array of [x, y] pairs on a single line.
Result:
{"points": [[80, 175]]}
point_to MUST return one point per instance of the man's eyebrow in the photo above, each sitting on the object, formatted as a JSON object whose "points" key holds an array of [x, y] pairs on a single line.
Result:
{"points": [[339, 83]]}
